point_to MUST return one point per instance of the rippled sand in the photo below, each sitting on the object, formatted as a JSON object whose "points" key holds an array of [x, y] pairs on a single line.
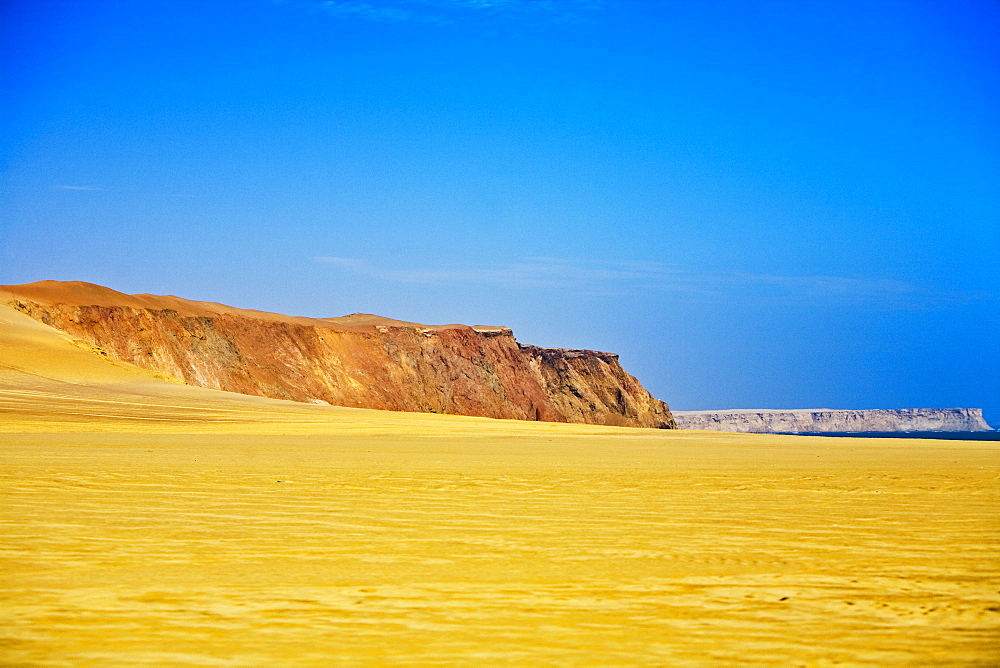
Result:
{"points": [[151, 524]]}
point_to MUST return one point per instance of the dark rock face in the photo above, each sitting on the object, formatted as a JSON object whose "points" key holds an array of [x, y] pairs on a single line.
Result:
{"points": [[820, 420], [361, 361], [580, 383]]}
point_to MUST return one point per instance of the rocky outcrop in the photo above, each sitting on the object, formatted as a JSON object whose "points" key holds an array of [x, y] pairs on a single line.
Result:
{"points": [[821, 420], [358, 360], [579, 382]]}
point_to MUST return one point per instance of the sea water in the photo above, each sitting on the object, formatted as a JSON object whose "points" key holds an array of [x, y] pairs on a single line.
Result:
{"points": [[948, 435]]}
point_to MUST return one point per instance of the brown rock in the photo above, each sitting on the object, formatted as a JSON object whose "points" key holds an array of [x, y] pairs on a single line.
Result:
{"points": [[358, 360]]}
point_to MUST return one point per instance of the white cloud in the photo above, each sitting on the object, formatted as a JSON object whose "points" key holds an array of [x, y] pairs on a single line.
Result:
{"points": [[345, 262], [836, 285], [446, 11], [531, 272], [372, 11], [62, 187], [622, 278]]}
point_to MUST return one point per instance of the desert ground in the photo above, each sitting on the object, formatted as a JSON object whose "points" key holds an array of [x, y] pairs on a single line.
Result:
{"points": [[146, 522]]}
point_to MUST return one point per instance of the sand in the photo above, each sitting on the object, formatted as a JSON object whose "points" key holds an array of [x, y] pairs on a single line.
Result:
{"points": [[150, 523]]}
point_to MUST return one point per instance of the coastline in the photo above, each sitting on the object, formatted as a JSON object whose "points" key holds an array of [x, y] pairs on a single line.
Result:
{"points": [[931, 435]]}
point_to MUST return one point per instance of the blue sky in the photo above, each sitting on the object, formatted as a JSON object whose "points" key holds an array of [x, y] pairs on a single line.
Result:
{"points": [[758, 204]]}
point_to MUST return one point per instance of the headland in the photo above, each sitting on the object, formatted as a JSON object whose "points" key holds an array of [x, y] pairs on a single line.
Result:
{"points": [[770, 421], [359, 360]]}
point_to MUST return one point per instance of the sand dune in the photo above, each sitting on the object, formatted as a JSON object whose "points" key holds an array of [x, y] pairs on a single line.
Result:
{"points": [[146, 522]]}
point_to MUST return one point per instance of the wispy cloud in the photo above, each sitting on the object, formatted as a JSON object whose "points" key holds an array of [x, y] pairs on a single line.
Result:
{"points": [[623, 278], [64, 187], [372, 11], [447, 11], [537, 272]]}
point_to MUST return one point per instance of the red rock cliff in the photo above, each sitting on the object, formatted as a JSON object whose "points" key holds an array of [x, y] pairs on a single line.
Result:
{"points": [[357, 360]]}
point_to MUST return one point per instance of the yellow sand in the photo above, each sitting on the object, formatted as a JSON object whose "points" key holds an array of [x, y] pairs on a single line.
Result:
{"points": [[144, 522]]}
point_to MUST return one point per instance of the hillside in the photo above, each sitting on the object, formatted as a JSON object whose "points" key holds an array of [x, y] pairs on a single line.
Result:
{"points": [[360, 360]]}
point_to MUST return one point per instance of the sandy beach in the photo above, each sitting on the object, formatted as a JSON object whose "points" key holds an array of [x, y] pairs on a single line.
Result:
{"points": [[151, 523]]}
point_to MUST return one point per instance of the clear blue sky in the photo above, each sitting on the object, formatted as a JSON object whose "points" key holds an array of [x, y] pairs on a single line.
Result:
{"points": [[757, 203]]}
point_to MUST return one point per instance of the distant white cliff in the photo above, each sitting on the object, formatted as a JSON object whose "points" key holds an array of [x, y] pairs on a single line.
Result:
{"points": [[811, 420]]}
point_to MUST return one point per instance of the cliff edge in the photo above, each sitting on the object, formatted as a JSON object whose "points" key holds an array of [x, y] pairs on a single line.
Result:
{"points": [[820, 420], [359, 360]]}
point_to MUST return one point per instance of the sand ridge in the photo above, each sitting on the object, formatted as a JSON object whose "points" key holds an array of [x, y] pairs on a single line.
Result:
{"points": [[81, 293]]}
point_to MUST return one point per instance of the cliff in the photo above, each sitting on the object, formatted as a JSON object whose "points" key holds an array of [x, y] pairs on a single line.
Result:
{"points": [[359, 360], [771, 421]]}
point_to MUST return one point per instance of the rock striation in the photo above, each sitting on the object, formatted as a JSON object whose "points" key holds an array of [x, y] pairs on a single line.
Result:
{"points": [[820, 420], [358, 360]]}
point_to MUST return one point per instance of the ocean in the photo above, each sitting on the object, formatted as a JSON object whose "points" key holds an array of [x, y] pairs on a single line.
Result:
{"points": [[948, 435]]}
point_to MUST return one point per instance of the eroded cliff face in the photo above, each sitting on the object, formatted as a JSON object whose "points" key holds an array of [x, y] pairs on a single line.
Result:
{"points": [[360, 360], [777, 421], [582, 382]]}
